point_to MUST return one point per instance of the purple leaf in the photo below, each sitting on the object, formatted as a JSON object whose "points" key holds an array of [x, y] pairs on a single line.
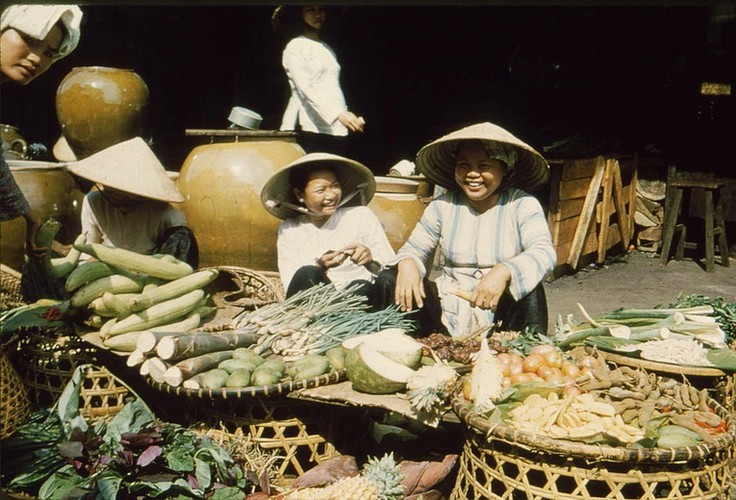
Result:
{"points": [[149, 455], [192, 481]]}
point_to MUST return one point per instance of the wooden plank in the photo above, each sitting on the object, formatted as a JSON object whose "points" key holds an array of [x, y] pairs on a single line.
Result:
{"points": [[554, 195], [590, 245], [576, 188], [564, 231], [619, 203], [586, 214], [578, 169], [569, 208], [605, 210]]}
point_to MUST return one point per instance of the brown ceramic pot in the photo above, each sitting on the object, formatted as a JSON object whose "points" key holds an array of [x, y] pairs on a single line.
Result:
{"points": [[222, 183], [14, 145], [398, 208], [51, 192], [98, 107]]}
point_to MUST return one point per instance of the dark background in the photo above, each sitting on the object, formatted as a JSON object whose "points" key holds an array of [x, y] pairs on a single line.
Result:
{"points": [[590, 78]]}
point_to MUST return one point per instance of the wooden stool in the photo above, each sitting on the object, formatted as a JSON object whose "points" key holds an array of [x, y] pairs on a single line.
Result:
{"points": [[714, 221]]}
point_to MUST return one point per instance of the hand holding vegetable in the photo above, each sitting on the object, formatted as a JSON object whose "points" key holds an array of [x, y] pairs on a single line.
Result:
{"points": [[488, 292], [332, 258], [360, 254], [33, 224]]}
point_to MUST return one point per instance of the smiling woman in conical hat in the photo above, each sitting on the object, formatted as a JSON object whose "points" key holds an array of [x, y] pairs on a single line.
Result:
{"points": [[328, 234], [493, 236], [130, 209]]}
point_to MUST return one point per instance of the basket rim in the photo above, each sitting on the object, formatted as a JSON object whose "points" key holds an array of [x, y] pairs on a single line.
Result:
{"points": [[275, 390], [596, 452]]}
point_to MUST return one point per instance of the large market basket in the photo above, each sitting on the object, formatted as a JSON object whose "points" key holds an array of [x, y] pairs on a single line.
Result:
{"points": [[297, 434], [15, 405], [10, 295], [499, 462]]}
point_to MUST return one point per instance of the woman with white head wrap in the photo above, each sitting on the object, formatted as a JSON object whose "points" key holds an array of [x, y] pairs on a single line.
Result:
{"points": [[32, 37]]}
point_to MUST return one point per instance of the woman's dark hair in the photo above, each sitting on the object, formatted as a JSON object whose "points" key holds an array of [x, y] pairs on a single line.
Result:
{"points": [[299, 176], [289, 22]]}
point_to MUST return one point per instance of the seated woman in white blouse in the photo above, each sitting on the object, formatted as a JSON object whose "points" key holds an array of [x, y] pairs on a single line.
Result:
{"points": [[493, 236], [328, 234]]}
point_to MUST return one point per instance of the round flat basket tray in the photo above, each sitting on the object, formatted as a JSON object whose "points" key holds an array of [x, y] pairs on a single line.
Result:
{"points": [[501, 462], [10, 296], [46, 358], [275, 390]]}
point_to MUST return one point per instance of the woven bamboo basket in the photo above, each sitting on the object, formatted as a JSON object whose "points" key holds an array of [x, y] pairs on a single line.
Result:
{"points": [[10, 295], [298, 433], [499, 462], [15, 406], [239, 288], [102, 394], [46, 359]]}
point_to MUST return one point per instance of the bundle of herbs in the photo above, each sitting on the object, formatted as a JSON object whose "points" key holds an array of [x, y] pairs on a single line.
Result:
{"points": [[59, 455]]}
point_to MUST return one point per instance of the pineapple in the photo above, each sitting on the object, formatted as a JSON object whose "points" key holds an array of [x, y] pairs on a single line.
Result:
{"points": [[429, 389], [379, 480]]}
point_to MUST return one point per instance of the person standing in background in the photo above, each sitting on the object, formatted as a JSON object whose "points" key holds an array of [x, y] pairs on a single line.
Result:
{"points": [[317, 106], [32, 38]]}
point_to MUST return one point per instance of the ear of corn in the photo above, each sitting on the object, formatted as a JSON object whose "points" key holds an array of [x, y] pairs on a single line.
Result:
{"points": [[135, 262], [89, 271], [159, 314], [61, 266], [172, 289], [117, 283]]}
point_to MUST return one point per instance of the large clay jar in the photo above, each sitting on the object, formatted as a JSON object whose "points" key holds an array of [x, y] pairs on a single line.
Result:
{"points": [[51, 192], [222, 183], [98, 107], [397, 207]]}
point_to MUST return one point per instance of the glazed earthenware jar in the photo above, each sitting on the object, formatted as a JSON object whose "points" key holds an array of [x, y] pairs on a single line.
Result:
{"points": [[222, 182], [15, 146], [51, 191], [98, 107], [398, 207]]}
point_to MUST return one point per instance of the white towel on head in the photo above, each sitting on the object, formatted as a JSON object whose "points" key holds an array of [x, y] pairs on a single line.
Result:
{"points": [[37, 20]]}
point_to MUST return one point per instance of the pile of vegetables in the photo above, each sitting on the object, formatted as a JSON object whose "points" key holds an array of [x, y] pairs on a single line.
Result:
{"points": [[294, 340], [671, 335], [57, 454], [129, 292], [621, 406]]}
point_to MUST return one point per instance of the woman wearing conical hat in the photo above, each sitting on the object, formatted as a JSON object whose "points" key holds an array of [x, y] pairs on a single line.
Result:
{"points": [[492, 235], [131, 207], [328, 235]]}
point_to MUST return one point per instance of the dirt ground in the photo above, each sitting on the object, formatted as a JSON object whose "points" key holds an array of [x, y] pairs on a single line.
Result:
{"points": [[635, 280]]}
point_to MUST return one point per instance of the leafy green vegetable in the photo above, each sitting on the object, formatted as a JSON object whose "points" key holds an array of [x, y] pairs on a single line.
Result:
{"points": [[133, 456], [723, 310]]}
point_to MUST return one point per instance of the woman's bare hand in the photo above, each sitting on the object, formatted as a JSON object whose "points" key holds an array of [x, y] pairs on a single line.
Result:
{"points": [[351, 121], [33, 224], [409, 286], [332, 259], [491, 287], [360, 254]]}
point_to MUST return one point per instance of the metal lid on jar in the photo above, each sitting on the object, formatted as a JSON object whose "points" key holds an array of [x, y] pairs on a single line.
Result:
{"points": [[244, 118]]}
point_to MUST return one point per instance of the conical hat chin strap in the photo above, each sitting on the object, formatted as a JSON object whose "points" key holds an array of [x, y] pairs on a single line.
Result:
{"points": [[304, 210]]}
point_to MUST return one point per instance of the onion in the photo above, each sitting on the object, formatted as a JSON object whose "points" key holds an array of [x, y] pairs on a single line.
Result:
{"points": [[533, 362]]}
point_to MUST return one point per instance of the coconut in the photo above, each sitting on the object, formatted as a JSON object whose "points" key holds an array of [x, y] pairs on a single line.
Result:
{"points": [[392, 343], [372, 372]]}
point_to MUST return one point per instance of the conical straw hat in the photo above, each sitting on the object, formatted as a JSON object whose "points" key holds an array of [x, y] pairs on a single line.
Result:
{"points": [[527, 169], [129, 166], [62, 151], [356, 179]]}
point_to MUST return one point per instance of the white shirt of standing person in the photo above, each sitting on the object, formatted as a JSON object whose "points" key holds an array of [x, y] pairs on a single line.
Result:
{"points": [[316, 98]]}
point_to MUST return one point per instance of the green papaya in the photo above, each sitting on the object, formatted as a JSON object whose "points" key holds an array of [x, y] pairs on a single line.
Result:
{"points": [[238, 378], [214, 379]]}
